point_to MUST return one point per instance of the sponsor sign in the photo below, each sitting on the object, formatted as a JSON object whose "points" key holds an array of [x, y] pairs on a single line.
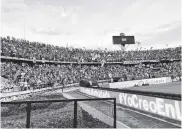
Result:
{"points": [[5, 97], [127, 84], [121, 85], [160, 106], [15, 97], [96, 93], [163, 107], [154, 81], [138, 61], [103, 83]]}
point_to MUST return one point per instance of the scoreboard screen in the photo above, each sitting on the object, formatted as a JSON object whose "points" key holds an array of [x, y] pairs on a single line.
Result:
{"points": [[123, 40]]}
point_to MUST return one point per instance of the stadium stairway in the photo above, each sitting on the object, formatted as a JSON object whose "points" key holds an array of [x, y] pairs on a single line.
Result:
{"points": [[126, 118]]}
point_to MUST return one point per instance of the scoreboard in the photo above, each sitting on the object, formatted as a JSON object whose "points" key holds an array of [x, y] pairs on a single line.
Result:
{"points": [[123, 40]]}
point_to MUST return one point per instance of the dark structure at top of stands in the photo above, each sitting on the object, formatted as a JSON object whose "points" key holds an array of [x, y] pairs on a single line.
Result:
{"points": [[123, 40]]}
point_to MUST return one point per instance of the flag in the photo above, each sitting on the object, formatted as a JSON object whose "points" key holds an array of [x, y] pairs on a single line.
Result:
{"points": [[43, 60], [110, 75], [17, 74], [94, 56], [138, 43], [34, 60], [102, 63], [79, 61]]}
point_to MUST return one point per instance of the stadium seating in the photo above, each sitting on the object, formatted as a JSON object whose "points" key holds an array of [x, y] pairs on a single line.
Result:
{"points": [[24, 67], [25, 49]]}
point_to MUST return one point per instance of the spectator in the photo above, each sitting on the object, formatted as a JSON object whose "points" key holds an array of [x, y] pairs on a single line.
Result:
{"points": [[45, 74]]}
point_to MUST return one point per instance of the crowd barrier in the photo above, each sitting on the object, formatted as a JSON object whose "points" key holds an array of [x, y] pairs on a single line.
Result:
{"points": [[168, 107], [131, 62], [127, 84]]}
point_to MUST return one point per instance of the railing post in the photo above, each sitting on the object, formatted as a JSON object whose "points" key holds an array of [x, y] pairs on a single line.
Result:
{"points": [[115, 113], [28, 115], [75, 114]]}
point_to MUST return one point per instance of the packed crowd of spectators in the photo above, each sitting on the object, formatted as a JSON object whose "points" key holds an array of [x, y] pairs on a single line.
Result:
{"points": [[56, 74], [45, 74], [20, 48]]}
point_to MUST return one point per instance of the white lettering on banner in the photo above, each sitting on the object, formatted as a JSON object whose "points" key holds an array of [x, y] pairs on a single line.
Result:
{"points": [[158, 106], [127, 84], [121, 85], [178, 110], [16, 97], [145, 105], [124, 98], [140, 102], [97, 93], [138, 61], [134, 102], [129, 101], [169, 108], [164, 107], [153, 107]]}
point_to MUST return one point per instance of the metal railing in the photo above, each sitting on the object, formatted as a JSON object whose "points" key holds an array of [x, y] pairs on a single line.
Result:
{"points": [[28, 107]]}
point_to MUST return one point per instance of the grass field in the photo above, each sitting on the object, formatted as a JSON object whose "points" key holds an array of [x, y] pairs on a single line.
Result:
{"points": [[47, 115], [172, 87]]}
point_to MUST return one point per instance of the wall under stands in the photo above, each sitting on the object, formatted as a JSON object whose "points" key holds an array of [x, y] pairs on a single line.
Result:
{"points": [[11, 96]]}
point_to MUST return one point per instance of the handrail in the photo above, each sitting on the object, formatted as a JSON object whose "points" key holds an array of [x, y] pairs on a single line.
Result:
{"points": [[28, 109], [56, 100], [68, 62]]}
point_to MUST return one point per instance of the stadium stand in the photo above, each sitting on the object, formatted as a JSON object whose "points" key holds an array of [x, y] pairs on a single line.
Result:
{"points": [[37, 65], [26, 49]]}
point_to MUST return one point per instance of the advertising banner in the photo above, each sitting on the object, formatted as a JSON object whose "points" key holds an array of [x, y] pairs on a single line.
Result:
{"points": [[164, 107], [127, 84], [139, 61], [103, 83]]}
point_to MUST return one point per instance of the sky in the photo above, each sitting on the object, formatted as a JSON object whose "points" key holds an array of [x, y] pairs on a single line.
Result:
{"points": [[92, 23]]}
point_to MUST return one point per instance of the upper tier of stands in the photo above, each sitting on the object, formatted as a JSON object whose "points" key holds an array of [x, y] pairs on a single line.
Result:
{"points": [[19, 48]]}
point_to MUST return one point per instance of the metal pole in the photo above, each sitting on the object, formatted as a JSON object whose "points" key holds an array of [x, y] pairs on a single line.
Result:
{"points": [[75, 115], [28, 115], [115, 113]]}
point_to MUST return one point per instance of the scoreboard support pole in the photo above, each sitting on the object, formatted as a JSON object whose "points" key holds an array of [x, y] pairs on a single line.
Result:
{"points": [[122, 45]]}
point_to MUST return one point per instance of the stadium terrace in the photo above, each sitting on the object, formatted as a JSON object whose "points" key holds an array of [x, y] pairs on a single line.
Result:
{"points": [[37, 65]]}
